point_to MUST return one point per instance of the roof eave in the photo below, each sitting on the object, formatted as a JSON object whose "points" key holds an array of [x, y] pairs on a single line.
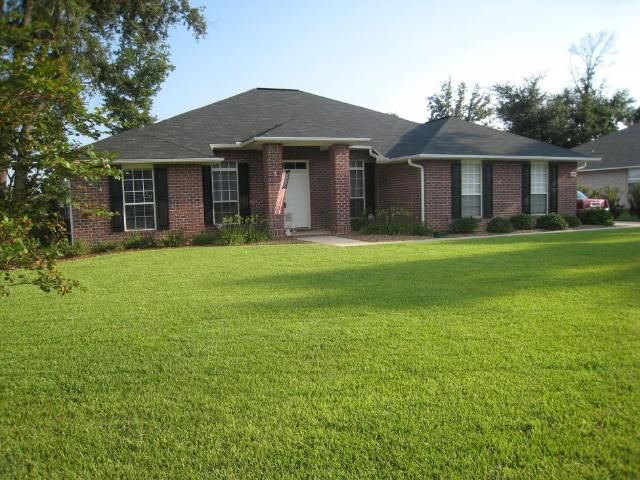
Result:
{"points": [[196, 161], [438, 156]]}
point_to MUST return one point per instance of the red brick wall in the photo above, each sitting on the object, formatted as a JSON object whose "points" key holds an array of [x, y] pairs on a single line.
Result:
{"points": [[507, 189], [185, 205], [437, 179], [339, 194], [272, 176], [398, 186], [567, 187]]}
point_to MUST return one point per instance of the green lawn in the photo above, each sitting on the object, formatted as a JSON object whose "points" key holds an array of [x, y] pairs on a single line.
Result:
{"points": [[501, 358]]}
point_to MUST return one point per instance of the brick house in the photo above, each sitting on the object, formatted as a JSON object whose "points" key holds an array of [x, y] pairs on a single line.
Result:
{"points": [[188, 172]]}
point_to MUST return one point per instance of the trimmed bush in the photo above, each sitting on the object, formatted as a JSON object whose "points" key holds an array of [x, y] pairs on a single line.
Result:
{"points": [[104, 246], [523, 221], [551, 221], [391, 221], [572, 220], [465, 225], [207, 238], [237, 230], [499, 225], [596, 216], [173, 239], [138, 241], [75, 249]]}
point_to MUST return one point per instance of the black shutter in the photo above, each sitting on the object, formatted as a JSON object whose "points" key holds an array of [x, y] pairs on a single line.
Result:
{"points": [[553, 188], [162, 197], [207, 195], [115, 206], [456, 190], [487, 190], [243, 189], [370, 186], [526, 188]]}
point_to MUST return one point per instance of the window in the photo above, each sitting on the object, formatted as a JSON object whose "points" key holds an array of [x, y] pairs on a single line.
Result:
{"points": [[139, 201], [471, 178], [633, 177], [539, 186], [224, 181], [356, 178]]}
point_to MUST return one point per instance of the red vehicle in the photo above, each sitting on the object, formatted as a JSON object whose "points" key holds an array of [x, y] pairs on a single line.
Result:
{"points": [[586, 203]]}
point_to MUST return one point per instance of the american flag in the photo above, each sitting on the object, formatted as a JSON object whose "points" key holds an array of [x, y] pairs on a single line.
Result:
{"points": [[282, 193]]}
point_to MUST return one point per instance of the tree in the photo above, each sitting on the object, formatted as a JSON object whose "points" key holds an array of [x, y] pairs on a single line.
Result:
{"points": [[55, 57], [581, 112], [477, 108]]}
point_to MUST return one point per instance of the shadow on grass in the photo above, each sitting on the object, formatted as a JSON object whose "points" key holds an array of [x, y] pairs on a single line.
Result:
{"points": [[546, 266]]}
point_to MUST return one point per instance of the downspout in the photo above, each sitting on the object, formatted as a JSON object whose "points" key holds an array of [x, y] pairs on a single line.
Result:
{"points": [[410, 163]]}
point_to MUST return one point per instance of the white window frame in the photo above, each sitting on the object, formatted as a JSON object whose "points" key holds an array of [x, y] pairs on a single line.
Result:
{"points": [[360, 167], [125, 204], [218, 168], [633, 176], [545, 168], [475, 163]]}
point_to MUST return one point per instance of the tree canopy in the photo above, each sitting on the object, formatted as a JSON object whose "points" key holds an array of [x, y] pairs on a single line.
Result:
{"points": [[56, 58], [475, 108]]}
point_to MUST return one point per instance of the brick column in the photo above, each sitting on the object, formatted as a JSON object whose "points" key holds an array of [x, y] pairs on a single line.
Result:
{"points": [[567, 186], [272, 173], [339, 204]]}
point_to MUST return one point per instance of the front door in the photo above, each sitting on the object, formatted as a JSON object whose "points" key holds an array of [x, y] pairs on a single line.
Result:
{"points": [[296, 202]]}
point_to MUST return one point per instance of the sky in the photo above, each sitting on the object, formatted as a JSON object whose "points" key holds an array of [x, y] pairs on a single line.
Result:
{"points": [[390, 55]]}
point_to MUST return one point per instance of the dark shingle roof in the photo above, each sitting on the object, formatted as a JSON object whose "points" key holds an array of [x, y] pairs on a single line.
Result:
{"points": [[259, 112], [453, 136], [293, 113], [618, 149]]}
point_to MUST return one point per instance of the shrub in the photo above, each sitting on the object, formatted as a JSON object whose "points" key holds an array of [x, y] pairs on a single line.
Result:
{"points": [[104, 246], [465, 225], [551, 221], [572, 220], [75, 249], [634, 200], [523, 221], [391, 221], [173, 239], [499, 225], [138, 241], [596, 216], [612, 194], [207, 238], [237, 230]]}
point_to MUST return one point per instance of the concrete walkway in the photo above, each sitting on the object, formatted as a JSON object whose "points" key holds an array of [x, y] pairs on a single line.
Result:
{"points": [[335, 241], [350, 242]]}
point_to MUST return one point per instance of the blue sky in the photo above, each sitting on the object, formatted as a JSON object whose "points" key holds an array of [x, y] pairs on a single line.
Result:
{"points": [[390, 55]]}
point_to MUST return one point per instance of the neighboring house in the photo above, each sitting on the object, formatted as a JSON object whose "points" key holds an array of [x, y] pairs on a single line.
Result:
{"points": [[188, 172], [620, 165]]}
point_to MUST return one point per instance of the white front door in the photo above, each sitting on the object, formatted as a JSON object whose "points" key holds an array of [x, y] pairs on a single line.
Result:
{"points": [[297, 203]]}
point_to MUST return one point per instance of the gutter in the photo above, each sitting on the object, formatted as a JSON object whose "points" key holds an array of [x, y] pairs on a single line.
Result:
{"points": [[410, 163], [198, 161], [438, 156]]}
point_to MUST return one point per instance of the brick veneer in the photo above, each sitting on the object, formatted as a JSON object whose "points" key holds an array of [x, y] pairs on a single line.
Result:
{"points": [[256, 185], [398, 185], [272, 176], [339, 189], [567, 186], [185, 205], [507, 189]]}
